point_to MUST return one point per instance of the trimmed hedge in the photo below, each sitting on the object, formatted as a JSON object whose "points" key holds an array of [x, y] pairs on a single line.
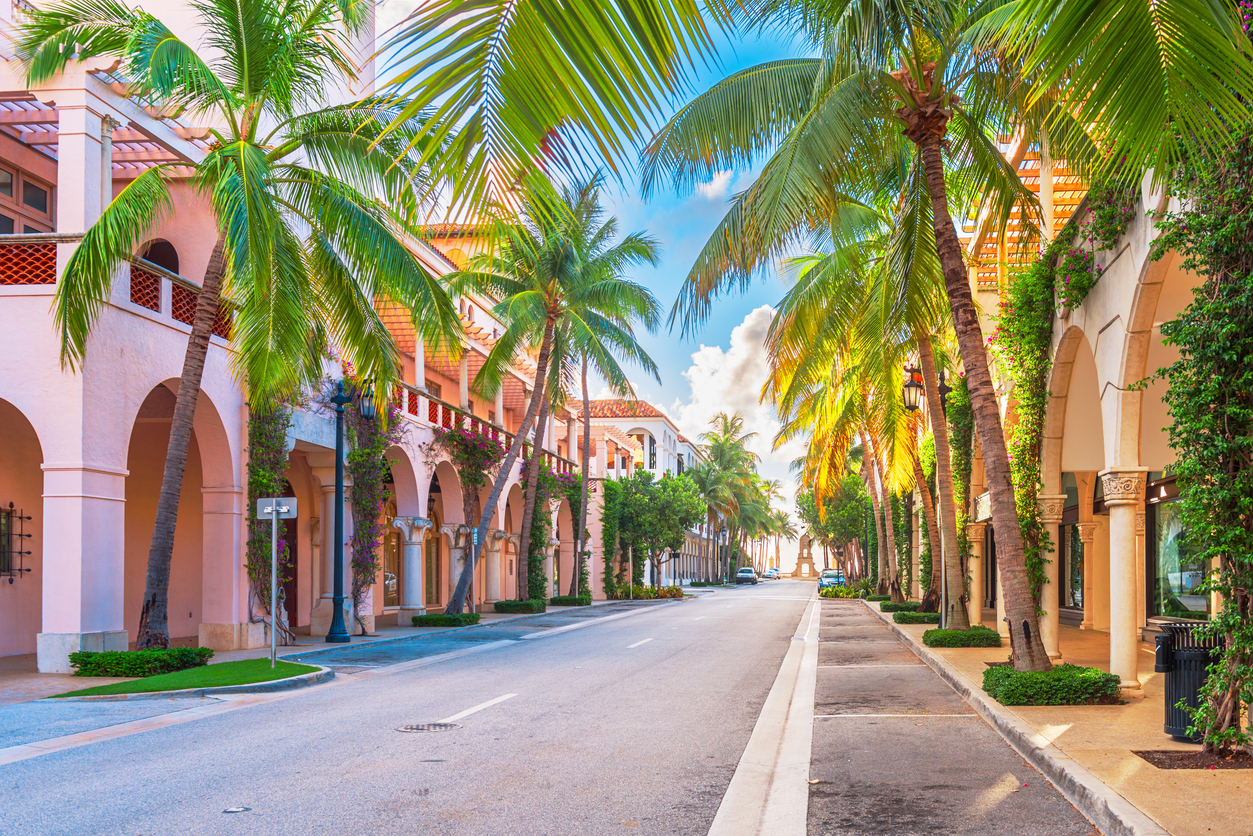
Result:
{"points": [[537, 605], [449, 619], [974, 637], [1063, 685], [878, 597], [138, 662], [905, 617], [836, 592], [904, 606], [570, 600]]}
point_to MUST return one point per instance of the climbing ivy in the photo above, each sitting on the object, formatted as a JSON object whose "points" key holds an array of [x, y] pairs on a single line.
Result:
{"points": [[1210, 400], [267, 464], [611, 500]]}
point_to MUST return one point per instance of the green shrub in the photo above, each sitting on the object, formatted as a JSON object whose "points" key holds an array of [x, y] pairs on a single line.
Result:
{"points": [[459, 619], [536, 605], [904, 606], [1063, 685], [571, 601], [836, 592], [703, 583], [648, 593], [974, 637], [878, 597], [138, 662], [905, 617]]}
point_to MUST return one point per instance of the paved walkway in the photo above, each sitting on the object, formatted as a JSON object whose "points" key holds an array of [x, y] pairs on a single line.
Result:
{"points": [[1101, 739], [896, 751]]}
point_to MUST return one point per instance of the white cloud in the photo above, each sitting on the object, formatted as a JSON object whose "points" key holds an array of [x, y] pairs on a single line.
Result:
{"points": [[717, 189], [730, 380]]}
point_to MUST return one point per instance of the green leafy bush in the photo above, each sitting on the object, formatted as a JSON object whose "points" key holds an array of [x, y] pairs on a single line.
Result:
{"points": [[536, 605], [904, 606], [571, 601], [836, 592], [648, 593], [138, 662], [460, 619], [1063, 685], [974, 637], [906, 617], [878, 597]]}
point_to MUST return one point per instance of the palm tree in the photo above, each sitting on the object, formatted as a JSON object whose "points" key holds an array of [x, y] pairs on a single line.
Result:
{"points": [[557, 273], [304, 246], [713, 484]]}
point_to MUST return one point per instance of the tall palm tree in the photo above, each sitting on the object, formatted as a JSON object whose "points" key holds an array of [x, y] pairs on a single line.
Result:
{"points": [[304, 246], [557, 272], [714, 485]]}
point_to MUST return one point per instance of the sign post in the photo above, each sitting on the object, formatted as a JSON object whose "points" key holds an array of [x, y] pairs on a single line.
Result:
{"points": [[275, 508], [474, 550]]}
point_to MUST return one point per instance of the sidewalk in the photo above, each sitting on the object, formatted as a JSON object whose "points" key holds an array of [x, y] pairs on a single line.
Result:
{"points": [[21, 681], [1101, 739]]}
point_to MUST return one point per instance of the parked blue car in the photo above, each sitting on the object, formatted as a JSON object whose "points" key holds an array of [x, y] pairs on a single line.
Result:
{"points": [[831, 577]]}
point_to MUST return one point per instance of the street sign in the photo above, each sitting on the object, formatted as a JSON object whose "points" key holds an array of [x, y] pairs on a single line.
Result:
{"points": [[274, 509], [476, 536]]}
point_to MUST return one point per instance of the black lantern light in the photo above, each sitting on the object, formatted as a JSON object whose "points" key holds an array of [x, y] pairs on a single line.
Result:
{"points": [[366, 402], [911, 391]]}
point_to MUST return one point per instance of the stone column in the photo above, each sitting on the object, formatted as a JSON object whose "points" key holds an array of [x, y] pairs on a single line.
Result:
{"points": [[1141, 596], [323, 607], [419, 363], [1051, 506], [492, 549], [413, 534], [79, 163], [1087, 536], [975, 534], [463, 383], [107, 125], [223, 623], [84, 556], [456, 555], [511, 587], [1124, 496], [550, 551]]}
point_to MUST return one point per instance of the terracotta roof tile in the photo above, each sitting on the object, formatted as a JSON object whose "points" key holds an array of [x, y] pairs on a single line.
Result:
{"points": [[623, 409]]}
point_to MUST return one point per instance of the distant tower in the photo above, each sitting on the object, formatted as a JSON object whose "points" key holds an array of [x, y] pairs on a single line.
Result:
{"points": [[805, 559]]}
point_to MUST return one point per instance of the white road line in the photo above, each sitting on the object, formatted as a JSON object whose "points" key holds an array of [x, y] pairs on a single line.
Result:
{"points": [[637, 644], [905, 716], [589, 622], [769, 793], [454, 718]]}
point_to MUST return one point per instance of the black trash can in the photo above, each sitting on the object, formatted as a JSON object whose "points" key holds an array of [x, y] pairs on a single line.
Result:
{"points": [[1183, 656]]}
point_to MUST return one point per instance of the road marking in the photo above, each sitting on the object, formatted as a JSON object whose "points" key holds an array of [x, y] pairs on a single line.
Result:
{"points": [[454, 718], [769, 793], [906, 716], [589, 622], [637, 644]]}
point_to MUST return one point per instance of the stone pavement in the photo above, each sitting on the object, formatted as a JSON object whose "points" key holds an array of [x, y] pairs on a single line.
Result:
{"points": [[896, 750], [1101, 740]]}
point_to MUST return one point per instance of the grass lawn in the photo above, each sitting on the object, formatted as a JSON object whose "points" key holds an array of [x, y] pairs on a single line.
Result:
{"points": [[243, 672]]}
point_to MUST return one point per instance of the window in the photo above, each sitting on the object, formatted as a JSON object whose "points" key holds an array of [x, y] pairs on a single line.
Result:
{"points": [[6, 182], [470, 406], [36, 197], [6, 225], [1175, 567], [1072, 567], [680, 464], [6, 541], [434, 389], [652, 453]]}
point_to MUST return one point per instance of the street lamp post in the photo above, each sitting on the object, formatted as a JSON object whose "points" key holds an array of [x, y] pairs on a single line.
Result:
{"points": [[339, 631]]}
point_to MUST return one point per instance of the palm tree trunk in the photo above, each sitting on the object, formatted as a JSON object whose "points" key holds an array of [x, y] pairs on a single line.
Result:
{"points": [[1020, 610], [894, 576], [958, 618], [154, 628], [532, 486], [930, 601], [458, 600], [868, 474], [580, 535]]}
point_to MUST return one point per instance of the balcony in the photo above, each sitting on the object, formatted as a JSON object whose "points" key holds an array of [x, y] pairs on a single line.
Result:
{"points": [[31, 260], [422, 408]]}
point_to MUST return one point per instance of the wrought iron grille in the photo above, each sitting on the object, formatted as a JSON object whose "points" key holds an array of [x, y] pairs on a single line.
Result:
{"points": [[13, 539]]}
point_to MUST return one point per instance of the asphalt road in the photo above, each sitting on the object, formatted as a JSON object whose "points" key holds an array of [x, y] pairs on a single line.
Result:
{"points": [[897, 751], [630, 725]]}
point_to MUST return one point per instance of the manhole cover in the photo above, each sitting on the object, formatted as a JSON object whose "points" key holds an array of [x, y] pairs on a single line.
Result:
{"points": [[428, 727]]}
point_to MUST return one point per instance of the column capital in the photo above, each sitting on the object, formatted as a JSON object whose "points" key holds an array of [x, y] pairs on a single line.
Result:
{"points": [[454, 532], [108, 125], [976, 531], [413, 528], [1087, 530], [1124, 486], [1051, 507]]}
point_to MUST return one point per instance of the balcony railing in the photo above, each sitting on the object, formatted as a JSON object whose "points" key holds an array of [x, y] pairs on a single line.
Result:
{"points": [[421, 407], [32, 260]]}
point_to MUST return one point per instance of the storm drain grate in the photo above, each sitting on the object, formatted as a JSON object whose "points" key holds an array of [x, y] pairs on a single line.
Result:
{"points": [[428, 727]]}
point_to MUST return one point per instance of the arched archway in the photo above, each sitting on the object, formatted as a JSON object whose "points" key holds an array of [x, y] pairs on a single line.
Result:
{"points": [[21, 513], [160, 252]]}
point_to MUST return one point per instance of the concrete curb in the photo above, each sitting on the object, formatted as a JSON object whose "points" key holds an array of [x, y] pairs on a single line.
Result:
{"points": [[304, 680], [1104, 807]]}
